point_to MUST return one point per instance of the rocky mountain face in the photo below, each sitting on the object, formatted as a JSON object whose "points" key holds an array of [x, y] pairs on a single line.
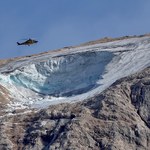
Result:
{"points": [[92, 97], [116, 119]]}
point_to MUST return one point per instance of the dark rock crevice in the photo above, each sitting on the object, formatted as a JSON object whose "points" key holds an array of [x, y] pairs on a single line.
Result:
{"points": [[140, 98], [55, 125]]}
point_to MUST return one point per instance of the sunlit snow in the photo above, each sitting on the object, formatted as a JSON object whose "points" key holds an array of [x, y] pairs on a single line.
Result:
{"points": [[73, 74]]}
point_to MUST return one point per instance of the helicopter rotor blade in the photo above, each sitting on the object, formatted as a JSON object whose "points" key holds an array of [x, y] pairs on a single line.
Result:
{"points": [[24, 39]]}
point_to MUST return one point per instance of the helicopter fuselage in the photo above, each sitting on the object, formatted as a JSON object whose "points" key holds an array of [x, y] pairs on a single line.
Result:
{"points": [[28, 42]]}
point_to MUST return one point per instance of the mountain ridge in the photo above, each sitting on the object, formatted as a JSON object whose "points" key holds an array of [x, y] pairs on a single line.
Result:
{"points": [[93, 96], [102, 40]]}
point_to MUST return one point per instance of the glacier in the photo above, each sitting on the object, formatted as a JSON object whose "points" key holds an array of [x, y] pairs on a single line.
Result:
{"points": [[72, 74], [64, 76]]}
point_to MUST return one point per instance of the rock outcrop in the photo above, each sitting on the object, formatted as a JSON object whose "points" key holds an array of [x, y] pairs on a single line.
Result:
{"points": [[116, 119]]}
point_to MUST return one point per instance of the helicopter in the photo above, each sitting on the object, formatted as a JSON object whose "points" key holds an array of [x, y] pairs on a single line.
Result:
{"points": [[28, 42]]}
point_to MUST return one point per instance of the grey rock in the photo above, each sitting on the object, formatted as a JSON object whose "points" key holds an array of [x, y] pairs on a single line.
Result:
{"points": [[116, 119]]}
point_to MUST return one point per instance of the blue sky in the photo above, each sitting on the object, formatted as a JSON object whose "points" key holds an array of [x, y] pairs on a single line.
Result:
{"points": [[59, 23]]}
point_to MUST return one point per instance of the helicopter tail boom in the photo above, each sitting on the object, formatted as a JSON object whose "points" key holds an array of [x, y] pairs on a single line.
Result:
{"points": [[18, 43]]}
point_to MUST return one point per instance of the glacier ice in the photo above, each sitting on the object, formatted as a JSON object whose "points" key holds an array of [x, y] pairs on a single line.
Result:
{"points": [[73, 74], [65, 75]]}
